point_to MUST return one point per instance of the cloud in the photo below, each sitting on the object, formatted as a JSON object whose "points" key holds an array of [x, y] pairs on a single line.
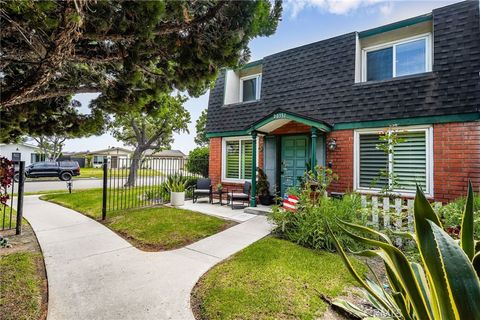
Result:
{"points": [[332, 6]]}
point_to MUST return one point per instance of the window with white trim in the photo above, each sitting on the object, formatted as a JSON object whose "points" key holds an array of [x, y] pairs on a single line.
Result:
{"points": [[237, 159], [409, 164], [250, 88], [399, 58]]}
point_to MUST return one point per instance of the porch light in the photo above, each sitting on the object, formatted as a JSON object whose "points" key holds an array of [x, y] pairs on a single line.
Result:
{"points": [[332, 144]]}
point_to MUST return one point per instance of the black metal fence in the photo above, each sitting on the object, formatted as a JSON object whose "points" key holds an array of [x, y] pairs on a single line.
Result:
{"points": [[123, 189], [11, 213]]}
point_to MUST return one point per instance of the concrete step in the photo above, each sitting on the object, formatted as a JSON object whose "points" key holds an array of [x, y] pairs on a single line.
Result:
{"points": [[258, 210]]}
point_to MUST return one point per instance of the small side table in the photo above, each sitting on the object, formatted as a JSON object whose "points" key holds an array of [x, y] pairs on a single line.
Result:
{"points": [[220, 194]]}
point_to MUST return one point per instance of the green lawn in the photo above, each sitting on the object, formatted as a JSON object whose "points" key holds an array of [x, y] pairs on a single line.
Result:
{"points": [[5, 219], [153, 229], [98, 173], [20, 286], [271, 279]]}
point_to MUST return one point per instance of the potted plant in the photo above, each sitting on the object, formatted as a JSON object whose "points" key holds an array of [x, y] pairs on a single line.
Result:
{"points": [[219, 187], [177, 185], [263, 188]]}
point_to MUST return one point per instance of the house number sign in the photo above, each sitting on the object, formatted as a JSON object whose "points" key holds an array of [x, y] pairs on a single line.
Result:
{"points": [[280, 115]]}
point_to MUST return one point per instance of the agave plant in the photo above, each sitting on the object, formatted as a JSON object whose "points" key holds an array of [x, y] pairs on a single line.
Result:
{"points": [[444, 286], [176, 183]]}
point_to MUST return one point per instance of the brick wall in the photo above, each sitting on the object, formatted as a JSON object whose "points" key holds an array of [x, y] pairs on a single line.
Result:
{"points": [[215, 163], [456, 157], [341, 159], [291, 128]]}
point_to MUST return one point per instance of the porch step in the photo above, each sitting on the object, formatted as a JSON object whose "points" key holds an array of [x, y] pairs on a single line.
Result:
{"points": [[258, 210]]}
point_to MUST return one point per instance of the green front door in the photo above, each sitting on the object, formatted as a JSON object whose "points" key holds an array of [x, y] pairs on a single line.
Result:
{"points": [[294, 161]]}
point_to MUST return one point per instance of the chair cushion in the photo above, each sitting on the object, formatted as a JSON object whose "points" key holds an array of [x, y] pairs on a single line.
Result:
{"points": [[238, 195], [202, 191]]}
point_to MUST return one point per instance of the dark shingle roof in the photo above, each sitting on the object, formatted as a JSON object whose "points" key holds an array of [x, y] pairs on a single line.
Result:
{"points": [[317, 80]]}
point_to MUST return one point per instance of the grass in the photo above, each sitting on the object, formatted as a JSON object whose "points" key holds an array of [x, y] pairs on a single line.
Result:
{"points": [[271, 279], [20, 286], [5, 217], [98, 173], [153, 229]]}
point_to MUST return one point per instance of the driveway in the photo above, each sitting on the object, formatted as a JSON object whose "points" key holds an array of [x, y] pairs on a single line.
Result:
{"points": [[95, 274]]}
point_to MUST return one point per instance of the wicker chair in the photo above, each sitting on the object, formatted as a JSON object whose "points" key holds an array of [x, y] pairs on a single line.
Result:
{"points": [[239, 195], [203, 188]]}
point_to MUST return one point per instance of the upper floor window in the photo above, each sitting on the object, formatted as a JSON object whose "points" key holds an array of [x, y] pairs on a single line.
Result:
{"points": [[398, 58], [250, 88]]}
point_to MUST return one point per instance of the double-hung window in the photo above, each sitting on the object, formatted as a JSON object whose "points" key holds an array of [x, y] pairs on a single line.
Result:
{"points": [[237, 159], [395, 59], [408, 164], [250, 88]]}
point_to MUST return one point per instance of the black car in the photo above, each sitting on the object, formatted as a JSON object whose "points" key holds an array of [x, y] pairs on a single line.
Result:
{"points": [[64, 170]]}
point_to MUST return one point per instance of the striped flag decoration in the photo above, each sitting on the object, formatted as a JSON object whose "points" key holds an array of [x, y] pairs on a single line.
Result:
{"points": [[290, 203]]}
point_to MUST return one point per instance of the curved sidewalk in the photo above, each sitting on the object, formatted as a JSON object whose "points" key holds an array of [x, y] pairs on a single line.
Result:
{"points": [[95, 274]]}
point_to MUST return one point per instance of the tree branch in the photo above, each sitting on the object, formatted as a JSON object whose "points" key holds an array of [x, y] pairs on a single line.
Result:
{"points": [[67, 34], [164, 28], [54, 94]]}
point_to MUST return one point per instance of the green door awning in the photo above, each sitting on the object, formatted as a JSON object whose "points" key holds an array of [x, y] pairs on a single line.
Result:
{"points": [[279, 118]]}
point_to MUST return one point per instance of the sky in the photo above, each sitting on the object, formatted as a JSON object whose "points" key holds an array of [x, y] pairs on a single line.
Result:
{"points": [[303, 22]]}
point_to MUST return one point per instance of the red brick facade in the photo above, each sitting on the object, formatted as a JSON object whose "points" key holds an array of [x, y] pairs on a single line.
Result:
{"points": [[456, 157], [456, 153], [292, 128], [341, 159]]}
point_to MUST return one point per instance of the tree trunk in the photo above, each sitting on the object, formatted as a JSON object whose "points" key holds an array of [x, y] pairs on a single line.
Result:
{"points": [[134, 166]]}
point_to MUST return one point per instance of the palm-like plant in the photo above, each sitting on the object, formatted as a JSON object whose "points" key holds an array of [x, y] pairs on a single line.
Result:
{"points": [[444, 286], [176, 183]]}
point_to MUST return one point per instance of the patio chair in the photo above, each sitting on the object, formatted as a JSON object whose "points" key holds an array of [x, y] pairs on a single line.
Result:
{"points": [[243, 195], [203, 188]]}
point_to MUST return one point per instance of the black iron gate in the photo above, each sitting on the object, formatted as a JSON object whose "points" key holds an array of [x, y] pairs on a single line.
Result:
{"points": [[122, 191], [11, 213]]}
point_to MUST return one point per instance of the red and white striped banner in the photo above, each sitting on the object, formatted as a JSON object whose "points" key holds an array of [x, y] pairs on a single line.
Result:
{"points": [[290, 203]]}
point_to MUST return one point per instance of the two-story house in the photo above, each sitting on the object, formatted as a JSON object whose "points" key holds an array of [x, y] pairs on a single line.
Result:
{"points": [[326, 102]]}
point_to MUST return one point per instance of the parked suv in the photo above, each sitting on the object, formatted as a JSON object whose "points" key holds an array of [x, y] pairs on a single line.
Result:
{"points": [[64, 170]]}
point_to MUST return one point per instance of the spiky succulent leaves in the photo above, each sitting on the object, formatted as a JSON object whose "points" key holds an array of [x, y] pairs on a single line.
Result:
{"points": [[431, 260], [476, 264], [350, 308], [467, 241], [463, 285], [356, 276], [401, 270]]}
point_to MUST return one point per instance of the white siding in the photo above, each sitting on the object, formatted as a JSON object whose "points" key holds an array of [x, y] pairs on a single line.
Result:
{"points": [[26, 152]]}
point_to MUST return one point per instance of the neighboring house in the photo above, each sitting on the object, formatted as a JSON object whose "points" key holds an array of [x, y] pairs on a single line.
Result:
{"points": [[116, 157], [166, 160], [22, 152], [326, 102], [177, 154], [74, 156]]}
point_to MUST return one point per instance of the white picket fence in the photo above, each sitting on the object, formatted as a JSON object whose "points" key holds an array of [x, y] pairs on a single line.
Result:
{"points": [[381, 213]]}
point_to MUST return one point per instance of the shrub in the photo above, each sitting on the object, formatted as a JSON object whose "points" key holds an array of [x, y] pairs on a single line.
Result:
{"points": [[308, 226], [198, 161], [445, 285], [263, 186], [451, 215]]}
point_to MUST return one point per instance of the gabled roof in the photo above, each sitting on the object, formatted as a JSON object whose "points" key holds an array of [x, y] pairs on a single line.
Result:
{"points": [[165, 154], [28, 145], [110, 150], [317, 81]]}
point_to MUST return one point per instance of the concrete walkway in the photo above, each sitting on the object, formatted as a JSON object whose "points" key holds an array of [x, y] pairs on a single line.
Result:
{"points": [[95, 274]]}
